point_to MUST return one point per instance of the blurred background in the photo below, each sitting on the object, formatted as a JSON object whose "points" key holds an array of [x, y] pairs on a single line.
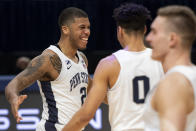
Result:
{"points": [[27, 27]]}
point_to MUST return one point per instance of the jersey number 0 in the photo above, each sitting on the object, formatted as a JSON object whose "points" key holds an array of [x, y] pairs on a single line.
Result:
{"points": [[137, 88]]}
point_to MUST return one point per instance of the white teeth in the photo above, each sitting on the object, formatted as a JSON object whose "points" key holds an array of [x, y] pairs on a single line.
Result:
{"points": [[84, 38]]}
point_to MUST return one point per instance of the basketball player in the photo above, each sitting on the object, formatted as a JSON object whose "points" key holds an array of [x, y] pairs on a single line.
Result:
{"points": [[61, 71], [126, 76], [172, 104]]}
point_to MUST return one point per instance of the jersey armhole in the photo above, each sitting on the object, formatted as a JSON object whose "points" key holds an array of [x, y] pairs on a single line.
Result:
{"points": [[115, 86]]}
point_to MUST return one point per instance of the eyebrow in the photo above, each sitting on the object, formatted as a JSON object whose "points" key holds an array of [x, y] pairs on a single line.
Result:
{"points": [[80, 25]]}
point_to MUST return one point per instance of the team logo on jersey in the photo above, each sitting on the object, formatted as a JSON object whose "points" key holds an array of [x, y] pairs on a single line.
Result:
{"points": [[68, 63], [84, 64], [78, 78]]}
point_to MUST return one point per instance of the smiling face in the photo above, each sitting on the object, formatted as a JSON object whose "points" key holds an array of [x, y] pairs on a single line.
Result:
{"points": [[159, 38], [79, 33]]}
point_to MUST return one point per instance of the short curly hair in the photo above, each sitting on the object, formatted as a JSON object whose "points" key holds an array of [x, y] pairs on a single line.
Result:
{"points": [[131, 17]]}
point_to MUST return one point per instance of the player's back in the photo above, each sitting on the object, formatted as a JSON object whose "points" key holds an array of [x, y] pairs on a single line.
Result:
{"points": [[151, 116], [138, 74]]}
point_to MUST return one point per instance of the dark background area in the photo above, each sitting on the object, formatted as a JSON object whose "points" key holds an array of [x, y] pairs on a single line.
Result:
{"points": [[27, 27]]}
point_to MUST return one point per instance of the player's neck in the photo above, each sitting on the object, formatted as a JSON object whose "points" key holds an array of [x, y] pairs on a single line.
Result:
{"points": [[134, 44], [67, 48], [176, 58]]}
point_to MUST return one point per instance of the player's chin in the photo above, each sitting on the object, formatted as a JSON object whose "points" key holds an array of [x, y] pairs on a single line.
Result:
{"points": [[82, 45], [82, 48]]}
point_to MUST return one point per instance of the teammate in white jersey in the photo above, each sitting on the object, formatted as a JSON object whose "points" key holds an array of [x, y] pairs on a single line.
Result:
{"points": [[171, 106], [126, 76], [61, 71]]}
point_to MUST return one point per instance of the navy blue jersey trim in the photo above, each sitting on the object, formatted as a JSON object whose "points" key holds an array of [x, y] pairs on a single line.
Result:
{"points": [[52, 110], [49, 126]]}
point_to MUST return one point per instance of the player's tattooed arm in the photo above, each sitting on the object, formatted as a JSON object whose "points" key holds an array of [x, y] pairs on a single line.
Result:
{"points": [[56, 62], [34, 71]]}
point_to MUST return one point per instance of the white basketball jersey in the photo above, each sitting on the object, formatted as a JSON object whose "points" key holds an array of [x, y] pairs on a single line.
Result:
{"points": [[64, 96], [138, 74], [151, 116]]}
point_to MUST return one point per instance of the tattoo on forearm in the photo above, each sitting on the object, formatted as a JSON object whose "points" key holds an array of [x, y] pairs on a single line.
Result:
{"points": [[56, 62]]}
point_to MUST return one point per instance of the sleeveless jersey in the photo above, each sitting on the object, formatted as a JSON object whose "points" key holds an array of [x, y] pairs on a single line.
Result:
{"points": [[63, 97], [138, 74], [151, 116]]}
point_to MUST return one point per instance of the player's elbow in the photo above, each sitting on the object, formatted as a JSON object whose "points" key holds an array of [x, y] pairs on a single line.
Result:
{"points": [[87, 116], [10, 92]]}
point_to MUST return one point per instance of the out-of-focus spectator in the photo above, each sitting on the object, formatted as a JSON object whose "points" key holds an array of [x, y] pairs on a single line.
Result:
{"points": [[21, 63]]}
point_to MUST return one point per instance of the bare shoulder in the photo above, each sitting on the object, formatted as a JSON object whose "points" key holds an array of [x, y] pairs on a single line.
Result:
{"points": [[54, 60], [174, 89], [47, 59], [108, 69], [175, 82], [38, 64], [47, 64], [84, 58], [109, 62]]}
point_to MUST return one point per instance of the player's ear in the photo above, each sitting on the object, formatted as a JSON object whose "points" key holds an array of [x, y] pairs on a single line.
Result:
{"points": [[65, 29], [119, 30], [174, 39]]}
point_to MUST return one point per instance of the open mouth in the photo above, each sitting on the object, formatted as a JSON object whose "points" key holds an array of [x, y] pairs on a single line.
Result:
{"points": [[85, 39]]}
